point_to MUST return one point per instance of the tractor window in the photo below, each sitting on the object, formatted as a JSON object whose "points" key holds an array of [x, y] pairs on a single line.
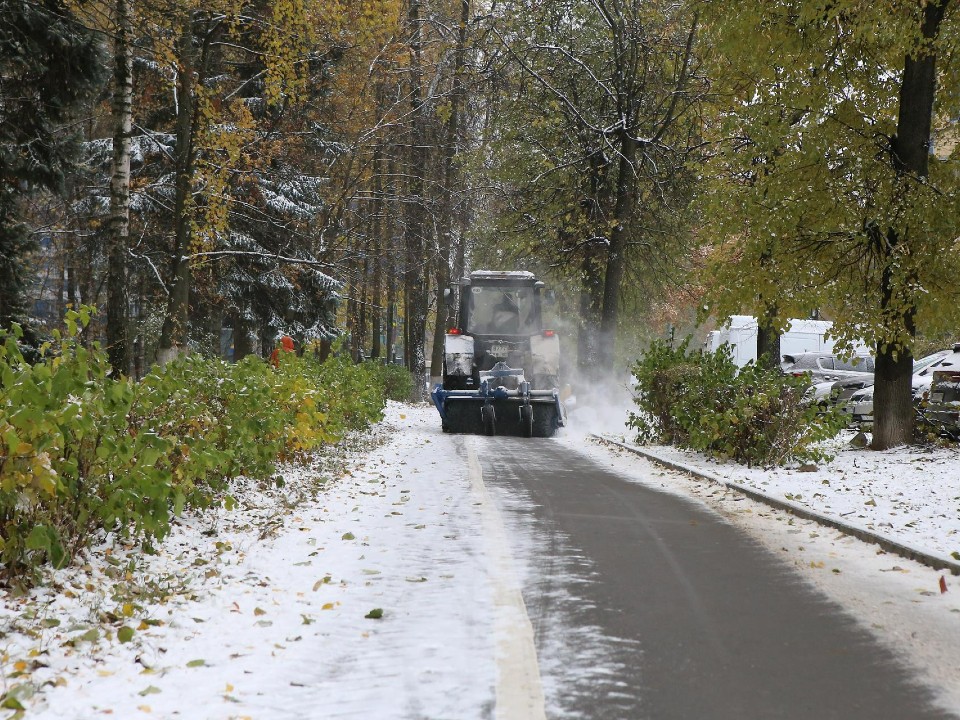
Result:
{"points": [[501, 311]]}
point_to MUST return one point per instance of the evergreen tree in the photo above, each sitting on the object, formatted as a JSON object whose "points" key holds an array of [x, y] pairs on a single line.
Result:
{"points": [[49, 65]]}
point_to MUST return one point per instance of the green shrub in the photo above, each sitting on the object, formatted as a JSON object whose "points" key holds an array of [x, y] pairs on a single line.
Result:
{"points": [[69, 464], [752, 415], [83, 452], [397, 382]]}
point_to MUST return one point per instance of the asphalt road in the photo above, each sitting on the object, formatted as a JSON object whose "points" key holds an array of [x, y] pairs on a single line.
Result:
{"points": [[647, 606]]}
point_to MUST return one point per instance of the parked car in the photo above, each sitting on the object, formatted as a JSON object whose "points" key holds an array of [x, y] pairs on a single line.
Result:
{"points": [[942, 408], [838, 392], [827, 367], [834, 379], [860, 404]]}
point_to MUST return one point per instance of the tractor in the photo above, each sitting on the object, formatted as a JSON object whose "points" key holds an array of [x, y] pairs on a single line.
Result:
{"points": [[501, 367]]}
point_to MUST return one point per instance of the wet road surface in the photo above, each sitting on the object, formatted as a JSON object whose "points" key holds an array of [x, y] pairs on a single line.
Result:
{"points": [[648, 606]]}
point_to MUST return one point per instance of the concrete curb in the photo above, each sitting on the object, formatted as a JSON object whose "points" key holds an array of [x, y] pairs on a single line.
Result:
{"points": [[937, 562]]}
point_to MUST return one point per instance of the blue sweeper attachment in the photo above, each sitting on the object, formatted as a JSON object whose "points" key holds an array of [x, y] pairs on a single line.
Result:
{"points": [[503, 405]]}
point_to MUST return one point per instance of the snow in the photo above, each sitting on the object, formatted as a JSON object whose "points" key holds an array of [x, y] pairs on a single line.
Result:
{"points": [[262, 611]]}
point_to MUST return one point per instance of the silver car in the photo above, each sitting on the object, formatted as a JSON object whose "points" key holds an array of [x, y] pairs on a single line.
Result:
{"points": [[860, 404], [834, 379], [826, 367], [942, 409]]}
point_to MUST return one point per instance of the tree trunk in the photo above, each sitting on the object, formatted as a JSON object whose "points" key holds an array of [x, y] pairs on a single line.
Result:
{"points": [[65, 259], [118, 340], [174, 333], [451, 178], [362, 321], [893, 418], [376, 291], [243, 338], [415, 276], [591, 301], [893, 406], [768, 346], [391, 322], [616, 255], [768, 340]]}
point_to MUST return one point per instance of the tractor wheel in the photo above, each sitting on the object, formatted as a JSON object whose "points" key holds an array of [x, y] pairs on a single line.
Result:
{"points": [[545, 421], [489, 420], [526, 420]]}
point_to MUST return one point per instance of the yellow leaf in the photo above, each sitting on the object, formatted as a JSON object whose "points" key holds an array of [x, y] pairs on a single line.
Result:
{"points": [[327, 606], [21, 666], [258, 611], [127, 609], [144, 708], [229, 688]]}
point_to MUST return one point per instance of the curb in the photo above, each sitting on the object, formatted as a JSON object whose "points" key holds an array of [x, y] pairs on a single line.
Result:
{"points": [[937, 562]]}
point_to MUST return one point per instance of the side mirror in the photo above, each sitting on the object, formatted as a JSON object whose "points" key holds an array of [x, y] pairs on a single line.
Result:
{"points": [[448, 297]]}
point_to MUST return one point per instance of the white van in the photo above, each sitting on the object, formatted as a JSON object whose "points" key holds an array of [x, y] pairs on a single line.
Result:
{"points": [[801, 336]]}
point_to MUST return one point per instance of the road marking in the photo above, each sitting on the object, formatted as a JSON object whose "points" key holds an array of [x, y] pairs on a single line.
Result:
{"points": [[519, 691]]}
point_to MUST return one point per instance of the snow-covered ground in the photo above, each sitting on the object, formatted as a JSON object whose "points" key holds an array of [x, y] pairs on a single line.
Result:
{"points": [[388, 586]]}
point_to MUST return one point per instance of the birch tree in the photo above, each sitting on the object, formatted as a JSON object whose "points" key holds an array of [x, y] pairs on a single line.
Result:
{"points": [[118, 336]]}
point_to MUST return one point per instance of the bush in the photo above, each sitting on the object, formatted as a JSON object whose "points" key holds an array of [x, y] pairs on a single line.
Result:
{"points": [[69, 463], [81, 451], [397, 382], [701, 401]]}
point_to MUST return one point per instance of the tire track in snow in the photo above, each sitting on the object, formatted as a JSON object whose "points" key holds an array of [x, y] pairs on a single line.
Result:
{"points": [[519, 690]]}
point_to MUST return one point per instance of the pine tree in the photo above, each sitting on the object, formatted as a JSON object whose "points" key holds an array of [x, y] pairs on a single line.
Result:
{"points": [[49, 65]]}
